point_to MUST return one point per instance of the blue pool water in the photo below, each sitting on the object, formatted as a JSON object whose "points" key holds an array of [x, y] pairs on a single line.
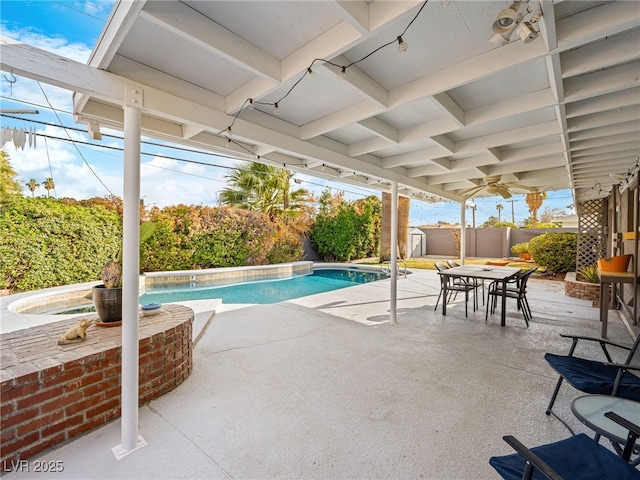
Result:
{"points": [[268, 291]]}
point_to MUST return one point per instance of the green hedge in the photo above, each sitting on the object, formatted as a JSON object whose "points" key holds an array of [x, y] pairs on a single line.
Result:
{"points": [[555, 251], [45, 243]]}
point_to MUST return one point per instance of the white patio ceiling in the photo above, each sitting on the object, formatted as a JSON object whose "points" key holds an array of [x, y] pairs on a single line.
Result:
{"points": [[560, 112]]}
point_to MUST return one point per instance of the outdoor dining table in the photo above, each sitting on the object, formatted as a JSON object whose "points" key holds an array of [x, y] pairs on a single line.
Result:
{"points": [[481, 272]]}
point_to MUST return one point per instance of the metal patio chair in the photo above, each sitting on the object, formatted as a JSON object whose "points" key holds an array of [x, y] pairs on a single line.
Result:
{"points": [[596, 377], [455, 285], [575, 458]]}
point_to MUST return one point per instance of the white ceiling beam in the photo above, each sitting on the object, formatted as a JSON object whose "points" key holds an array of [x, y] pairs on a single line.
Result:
{"points": [[189, 131], [534, 175], [466, 72], [199, 30], [426, 170], [602, 82], [382, 13], [369, 145], [601, 119], [548, 24], [511, 106], [411, 158], [354, 12], [38, 64], [457, 176], [611, 101], [380, 128], [333, 121], [602, 141], [606, 157], [616, 149], [445, 142], [624, 127], [427, 130], [609, 52], [451, 108], [362, 83], [539, 164], [528, 153], [508, 137], [596, 23]]}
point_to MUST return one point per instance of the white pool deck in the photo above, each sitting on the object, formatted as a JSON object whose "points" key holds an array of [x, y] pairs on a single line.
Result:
{"points": [[325, 387]]}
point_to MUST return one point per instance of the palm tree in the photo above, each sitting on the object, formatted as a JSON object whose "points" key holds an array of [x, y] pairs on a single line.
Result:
{"points": [[534, 202], [32, 185], [48, 185], [262, 188], [499, 207]]}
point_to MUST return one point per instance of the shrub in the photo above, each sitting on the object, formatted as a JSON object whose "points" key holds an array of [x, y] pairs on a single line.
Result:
{"points": [[555, 251], [45, 243], [589, 274], [520, 248]]}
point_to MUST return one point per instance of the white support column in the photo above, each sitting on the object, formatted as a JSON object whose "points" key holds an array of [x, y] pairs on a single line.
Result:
{"points": [[394, 250], [463, 231], [130, 440]]}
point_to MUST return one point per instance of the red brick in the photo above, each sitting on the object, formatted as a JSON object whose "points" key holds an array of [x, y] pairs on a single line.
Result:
{"points": [[40, 397], [83, 405], [61, 402], [39, 422], [101, 387], [62, 378], [19, 417], [42, 445], [62, 425], [85, 427], [51, 371], [7, 435], [21, 443], [20, 391], [6, 409]]}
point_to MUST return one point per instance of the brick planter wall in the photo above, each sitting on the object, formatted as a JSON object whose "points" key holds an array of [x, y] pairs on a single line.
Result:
{"points": [[51, 393], [586, 291]]}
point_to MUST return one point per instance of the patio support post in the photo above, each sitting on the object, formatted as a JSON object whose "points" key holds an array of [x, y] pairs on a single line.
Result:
{"points": [[394, 250], [463, 231], [130, 440]]}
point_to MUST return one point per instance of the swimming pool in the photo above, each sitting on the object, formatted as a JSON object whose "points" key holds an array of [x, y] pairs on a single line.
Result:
{"points": [[266, 291]]}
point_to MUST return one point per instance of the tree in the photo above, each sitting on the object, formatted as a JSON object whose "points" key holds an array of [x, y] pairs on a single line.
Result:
{"points": [[32, 184], [534, 202], [267, 189], [403, 226], [9, 185], [262, 188], [48, 184], [499, 207]]}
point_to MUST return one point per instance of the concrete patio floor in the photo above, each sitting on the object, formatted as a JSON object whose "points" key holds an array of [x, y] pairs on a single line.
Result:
{"points": [[325, 387]]}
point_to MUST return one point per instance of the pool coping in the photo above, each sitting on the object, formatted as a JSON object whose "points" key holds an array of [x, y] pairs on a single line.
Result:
{"points": [[12, 319]]}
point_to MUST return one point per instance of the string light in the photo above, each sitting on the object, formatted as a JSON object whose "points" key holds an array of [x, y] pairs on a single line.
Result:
{"points": [[276, 110], [251, 105], [402, 45], [311, 72], [342, 73]]}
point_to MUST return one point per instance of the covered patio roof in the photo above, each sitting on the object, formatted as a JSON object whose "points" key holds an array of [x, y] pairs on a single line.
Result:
{"points": [[558, 112]]}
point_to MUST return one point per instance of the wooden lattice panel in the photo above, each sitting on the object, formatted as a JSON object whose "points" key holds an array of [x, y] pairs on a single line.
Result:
{"points": [[592, 232]]}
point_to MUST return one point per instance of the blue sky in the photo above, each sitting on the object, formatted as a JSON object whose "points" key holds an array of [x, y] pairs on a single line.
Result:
{"points": [[91, 168]]}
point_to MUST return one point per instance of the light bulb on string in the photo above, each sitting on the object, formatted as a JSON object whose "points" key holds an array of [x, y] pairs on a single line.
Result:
{"points": [[342, 73], [402, 45], [311, 72], [251, 105], [276, 110]]}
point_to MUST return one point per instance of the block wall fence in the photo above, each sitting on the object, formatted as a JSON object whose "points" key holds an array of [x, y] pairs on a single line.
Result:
{"points": [[51, 393]]}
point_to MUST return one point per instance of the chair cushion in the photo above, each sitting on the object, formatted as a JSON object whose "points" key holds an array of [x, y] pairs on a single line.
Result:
{"points": [[577, 457], [591, 376]]}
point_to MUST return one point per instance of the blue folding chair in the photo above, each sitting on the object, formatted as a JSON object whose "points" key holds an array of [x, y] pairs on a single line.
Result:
{"points": [[575, 458], [593, 376]]}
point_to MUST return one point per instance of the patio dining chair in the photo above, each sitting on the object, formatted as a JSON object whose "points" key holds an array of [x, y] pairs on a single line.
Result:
{"points": [[575, 458], [516, 288], [454, 285], [477, 282], [596, 377]]}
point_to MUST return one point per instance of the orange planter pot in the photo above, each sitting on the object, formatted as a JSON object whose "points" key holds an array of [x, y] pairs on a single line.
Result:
{"points": [[614, 264]]}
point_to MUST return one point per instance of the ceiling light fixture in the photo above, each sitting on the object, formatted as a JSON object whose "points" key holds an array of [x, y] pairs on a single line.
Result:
{"points": [[510, 20], [506, 19]]}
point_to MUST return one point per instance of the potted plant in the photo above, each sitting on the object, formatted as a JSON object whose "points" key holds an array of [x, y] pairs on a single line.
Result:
{"points": [[107, 298], [522, 249]]}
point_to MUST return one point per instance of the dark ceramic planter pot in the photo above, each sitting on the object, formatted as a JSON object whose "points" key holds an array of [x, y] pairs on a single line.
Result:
{"points": [[108, 303]]}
